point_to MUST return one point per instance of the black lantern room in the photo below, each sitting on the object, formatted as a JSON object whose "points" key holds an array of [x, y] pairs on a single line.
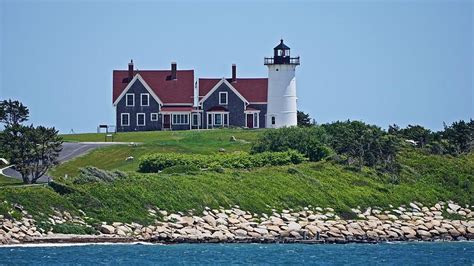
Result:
{"points": [[281, 56]]}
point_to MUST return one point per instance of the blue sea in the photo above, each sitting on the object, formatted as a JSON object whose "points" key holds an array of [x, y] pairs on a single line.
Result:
{"points": [[458, 253]]}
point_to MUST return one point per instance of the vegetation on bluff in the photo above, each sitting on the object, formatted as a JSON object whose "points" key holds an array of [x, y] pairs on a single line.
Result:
{"points": [[332, 180]]}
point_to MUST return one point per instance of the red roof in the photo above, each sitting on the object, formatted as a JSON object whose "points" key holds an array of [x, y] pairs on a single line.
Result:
{"points": [[180, 90], [176, 109], [253, 89]]}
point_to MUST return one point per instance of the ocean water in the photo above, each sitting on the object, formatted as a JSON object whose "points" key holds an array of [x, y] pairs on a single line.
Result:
{"points": [[455, 253]]}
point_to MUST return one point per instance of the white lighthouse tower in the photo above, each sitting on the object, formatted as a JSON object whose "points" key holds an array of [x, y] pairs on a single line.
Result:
{"points": [[281, 99]]}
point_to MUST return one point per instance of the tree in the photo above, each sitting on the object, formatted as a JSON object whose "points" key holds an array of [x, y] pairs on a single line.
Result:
{"points": [[13, 112], [304, 120], [421, 135], [33, 150], [460, 137]]}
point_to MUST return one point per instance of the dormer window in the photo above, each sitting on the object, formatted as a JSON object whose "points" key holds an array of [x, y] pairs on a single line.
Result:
{"points": [[145, 99], [130, 99], [223, 98]]}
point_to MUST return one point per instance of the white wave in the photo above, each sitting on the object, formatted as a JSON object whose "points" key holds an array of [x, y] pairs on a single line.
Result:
{"points": [[41, 245]]}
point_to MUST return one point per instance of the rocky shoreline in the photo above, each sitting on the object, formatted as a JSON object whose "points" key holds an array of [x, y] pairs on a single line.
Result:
{"points": [[312, 225]]}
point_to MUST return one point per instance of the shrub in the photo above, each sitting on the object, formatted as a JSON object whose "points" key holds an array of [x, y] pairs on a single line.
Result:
{"points": [[158, 162], [181, 169], [310, 141], [70, 228], [92, 174]]}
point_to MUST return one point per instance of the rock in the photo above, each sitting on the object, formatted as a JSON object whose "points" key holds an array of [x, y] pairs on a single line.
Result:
{"points": [[186, 220], [210, 220], [408, 230], [295, 234], [414, 206], [240, 232], [232, 138], [372, 235], [454, 207], [423, 234], [292, 226], [107, 229], [454, 233], [261, 231]]}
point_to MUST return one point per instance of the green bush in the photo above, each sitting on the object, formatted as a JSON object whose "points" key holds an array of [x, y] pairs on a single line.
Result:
{"points": [[70, 228], [92, 174], [157, 162], [181, 169], [310, 141]]}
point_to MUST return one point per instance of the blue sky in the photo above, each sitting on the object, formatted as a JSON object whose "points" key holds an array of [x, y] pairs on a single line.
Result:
{"points": [[383, 62]]}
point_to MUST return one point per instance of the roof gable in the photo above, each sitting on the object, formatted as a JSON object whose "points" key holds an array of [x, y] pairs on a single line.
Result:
{"points": [[223, 81], [143, 82], [252, 89], [180, 90]]}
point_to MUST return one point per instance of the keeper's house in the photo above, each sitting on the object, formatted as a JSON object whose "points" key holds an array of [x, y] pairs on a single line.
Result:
{"points": [[172, 100]]}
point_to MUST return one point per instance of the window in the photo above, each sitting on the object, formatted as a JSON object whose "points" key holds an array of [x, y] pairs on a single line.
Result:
{"points": [[280, 52], [125, 119], [223, 97], [218, 119], [180, 119], [145, 99], [255, 120], [226, 119], [209, 120], [130, 99], [140, 119], [195, 119], [154, 117], [273, 120]]}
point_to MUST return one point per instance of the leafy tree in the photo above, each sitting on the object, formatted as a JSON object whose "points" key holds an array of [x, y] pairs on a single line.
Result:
{"points": [[304, 120], [13, 112], [362, 144], [33, 150], [421, 135], [459, 136]]}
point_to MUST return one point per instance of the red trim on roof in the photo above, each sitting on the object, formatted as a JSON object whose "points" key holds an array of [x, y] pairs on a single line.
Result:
{"points": [[180, 90], [252, 89], [176, 109]]}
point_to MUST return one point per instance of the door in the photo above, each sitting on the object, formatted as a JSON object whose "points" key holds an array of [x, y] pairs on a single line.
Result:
{"points": [[250, 120], [166, 121]]}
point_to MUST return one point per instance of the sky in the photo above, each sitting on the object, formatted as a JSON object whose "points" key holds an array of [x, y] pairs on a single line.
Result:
{"points": [[382, 62]]}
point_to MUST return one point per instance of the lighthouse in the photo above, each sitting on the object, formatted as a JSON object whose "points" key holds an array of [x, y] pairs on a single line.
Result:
{"points": [[281, 98]]}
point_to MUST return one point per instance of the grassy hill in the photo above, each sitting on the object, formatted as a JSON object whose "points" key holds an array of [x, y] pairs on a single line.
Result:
{"points": [[424, 178]]}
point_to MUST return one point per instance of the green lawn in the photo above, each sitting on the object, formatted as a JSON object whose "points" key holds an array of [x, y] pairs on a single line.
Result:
{"points": [[7, 181], [114, 157]]}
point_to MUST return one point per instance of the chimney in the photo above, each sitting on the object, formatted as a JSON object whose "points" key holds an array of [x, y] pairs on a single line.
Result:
{"points": [[130, 70], [173, 70], [234, 73]]}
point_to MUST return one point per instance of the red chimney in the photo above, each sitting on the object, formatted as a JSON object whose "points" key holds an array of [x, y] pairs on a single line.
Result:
{"points": [[173, 70], [234, 73], [130, 70]]}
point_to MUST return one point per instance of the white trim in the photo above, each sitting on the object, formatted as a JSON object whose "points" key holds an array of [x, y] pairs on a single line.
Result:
{"points": [[144, 120], [254, 114], [151, 117], [213, 118], [126, 100], [226, 98], [128, 120], [141, 99], [251, 111], [198, 120], [175, 112], [258, 102], [181, 123], [147, 87], [178, 104], [228, 85]]}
